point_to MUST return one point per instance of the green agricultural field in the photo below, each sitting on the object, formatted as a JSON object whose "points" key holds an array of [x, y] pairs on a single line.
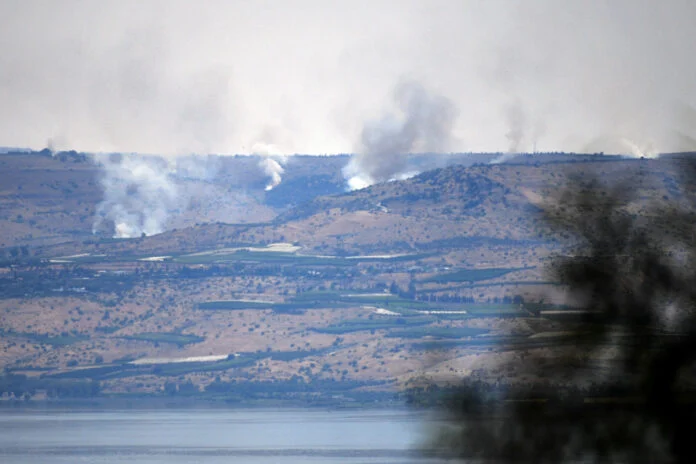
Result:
{"points": [[386, 300], [181, 368], [285, 257], [319, 300], [507, 283], [232, 305], [173, 369], [437, 332], [352, 298], [107, 329], [53, 340], [165, 337], [287, 308], [59, 340], [87, 258], [389, 322], [293, 355], [495, 310], [394, 258], [164, 369], [472, 275], [503, 342], [102, 372], [263, 257]]}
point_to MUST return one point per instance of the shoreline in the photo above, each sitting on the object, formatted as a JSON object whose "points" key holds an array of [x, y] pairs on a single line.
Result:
{"points": [[144, 403]]}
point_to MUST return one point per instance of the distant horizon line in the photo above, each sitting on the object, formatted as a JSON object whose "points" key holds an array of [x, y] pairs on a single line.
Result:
{"points": [[27, 150]]}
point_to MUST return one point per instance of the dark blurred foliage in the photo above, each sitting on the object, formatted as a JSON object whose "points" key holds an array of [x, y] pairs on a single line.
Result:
{"points": [[631, 269]]}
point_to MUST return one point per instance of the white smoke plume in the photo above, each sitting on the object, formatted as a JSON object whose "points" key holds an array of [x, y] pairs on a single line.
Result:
{"points": [[272, 162], [622, 144], [517, 120], [423, 123], [140, 194], [273, 168], [640, 151]]}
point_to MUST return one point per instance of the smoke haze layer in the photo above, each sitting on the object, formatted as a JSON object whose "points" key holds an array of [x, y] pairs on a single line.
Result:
{"points": [[177, 77]]}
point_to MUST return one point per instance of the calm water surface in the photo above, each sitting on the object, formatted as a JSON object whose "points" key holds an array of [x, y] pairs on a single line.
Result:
{"points": [[210, 436]]}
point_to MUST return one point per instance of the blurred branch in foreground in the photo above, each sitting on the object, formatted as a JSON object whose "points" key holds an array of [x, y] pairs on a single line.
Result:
{"points": [[632, 273]]}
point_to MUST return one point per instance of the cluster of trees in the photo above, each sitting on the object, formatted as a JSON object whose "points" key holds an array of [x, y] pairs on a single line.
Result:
{"points": [[19, 386], [294, 388], [283, 389], [409, 293], [634, 275]]}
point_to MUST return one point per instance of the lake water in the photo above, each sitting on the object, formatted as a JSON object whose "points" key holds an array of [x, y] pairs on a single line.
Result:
{"points": [[210, 436]]}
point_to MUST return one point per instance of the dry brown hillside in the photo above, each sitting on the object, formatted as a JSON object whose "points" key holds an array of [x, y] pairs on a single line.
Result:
{"points": [[353, 287]]}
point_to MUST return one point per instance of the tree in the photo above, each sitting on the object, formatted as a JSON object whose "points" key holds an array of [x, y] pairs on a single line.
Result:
{"points": [[170, 388], [634, 275], [394, 288], [411, 290]]}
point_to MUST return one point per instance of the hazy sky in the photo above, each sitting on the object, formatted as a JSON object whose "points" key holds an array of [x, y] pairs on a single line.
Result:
{"points": [[221, 76]]}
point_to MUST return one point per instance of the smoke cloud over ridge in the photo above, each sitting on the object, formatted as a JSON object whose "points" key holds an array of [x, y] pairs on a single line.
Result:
{"points": [[423, 124]]}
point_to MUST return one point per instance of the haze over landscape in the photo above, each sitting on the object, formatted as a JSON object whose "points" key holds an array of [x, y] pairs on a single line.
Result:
{"points": [[484, 207], [166, 77]]}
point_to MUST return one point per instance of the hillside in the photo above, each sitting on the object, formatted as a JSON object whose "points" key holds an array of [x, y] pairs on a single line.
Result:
{"points": [[47, 198], [345, 293], [444, 209]]}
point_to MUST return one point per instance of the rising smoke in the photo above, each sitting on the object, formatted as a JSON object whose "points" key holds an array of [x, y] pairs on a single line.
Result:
{"points": [[517, 120], [423, 123], [273, 169], [271, 161], [139, 196], [144, 195]]}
